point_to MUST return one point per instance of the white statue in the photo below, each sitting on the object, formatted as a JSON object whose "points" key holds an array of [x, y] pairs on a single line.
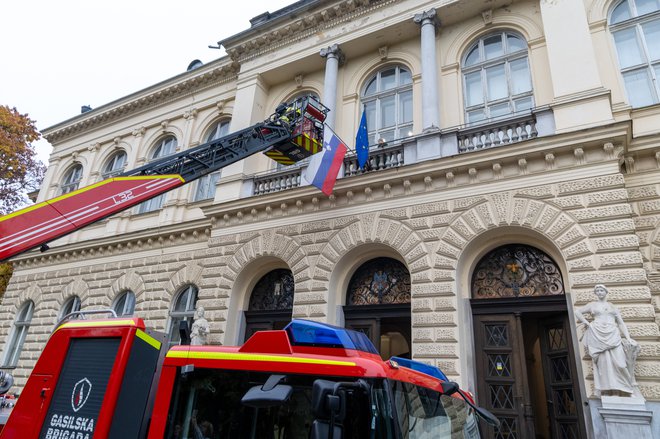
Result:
{"points": [[613, 356], [200, 328]]}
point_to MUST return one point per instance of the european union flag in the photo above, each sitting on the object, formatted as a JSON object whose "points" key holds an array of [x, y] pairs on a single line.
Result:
{"points": [[362, 141]]}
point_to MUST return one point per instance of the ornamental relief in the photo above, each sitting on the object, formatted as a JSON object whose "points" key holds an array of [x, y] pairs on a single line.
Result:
{"points": [[379, 281], [516, 270]]}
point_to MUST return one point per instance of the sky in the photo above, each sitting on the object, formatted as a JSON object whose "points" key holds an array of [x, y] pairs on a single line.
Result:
{"points": [[60, 55]]}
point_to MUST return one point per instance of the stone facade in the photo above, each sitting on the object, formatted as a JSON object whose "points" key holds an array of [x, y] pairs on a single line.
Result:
{"points": [[586, 191]]}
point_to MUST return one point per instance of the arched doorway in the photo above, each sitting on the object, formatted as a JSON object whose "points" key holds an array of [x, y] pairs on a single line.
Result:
{"points": [[271, 302], [378, 304], [525, 367]]}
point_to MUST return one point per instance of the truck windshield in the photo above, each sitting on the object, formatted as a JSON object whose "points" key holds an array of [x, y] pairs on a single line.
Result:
{"points": [[206, 404]]}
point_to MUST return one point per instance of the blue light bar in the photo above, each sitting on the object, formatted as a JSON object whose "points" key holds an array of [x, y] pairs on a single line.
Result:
{"points": [[420, 367], [309, 333]]}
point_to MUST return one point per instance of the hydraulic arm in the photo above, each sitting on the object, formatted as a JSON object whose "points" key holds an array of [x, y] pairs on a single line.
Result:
{"points": [[291, 134]]}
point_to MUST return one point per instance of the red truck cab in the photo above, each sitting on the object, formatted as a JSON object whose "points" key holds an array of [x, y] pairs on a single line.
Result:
{"points": [[110, 379]]}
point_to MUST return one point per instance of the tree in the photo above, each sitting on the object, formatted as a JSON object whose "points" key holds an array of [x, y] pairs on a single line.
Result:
{"points": [[20, 170]]}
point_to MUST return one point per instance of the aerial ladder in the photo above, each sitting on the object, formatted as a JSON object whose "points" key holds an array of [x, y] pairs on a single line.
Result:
{"points": [[293, 133]]}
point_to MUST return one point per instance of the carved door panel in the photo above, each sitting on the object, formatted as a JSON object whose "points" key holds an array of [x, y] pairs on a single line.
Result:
{"points": [[502, 376], [559, 370]]}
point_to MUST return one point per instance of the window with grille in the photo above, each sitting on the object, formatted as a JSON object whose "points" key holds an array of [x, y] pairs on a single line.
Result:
{"points": [[387, 97], [635, 27], [496, 77], [19, 332]]}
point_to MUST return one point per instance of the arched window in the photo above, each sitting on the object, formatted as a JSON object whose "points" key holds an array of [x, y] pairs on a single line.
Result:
{"points": [[17, 338], [182, 309], [516, 270], [496, 77], [71, 179], [165, 147], [72, 304], [114, 165], [271, 302], [206, 184], [387, 97], [125, 304], [635, 26]]}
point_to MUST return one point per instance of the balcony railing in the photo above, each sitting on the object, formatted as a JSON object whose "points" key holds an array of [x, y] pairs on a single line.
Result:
{"points": [[497, 133], [277, 181], [379, 158]]}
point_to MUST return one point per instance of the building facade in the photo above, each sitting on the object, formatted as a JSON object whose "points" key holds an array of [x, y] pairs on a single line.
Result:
{"points": [[515, 164]]}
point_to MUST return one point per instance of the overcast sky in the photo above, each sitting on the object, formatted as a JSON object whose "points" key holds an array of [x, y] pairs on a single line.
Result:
{"points": [[58, 55]]}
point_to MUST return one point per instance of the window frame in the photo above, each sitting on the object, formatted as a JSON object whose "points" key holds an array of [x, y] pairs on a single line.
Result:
{"points": [[115, 170], [128, 298], [482, 65], [174, 316], [73, 303], [18, 335], [69, 184], [648, 66], [157, 202], [400, 128]]}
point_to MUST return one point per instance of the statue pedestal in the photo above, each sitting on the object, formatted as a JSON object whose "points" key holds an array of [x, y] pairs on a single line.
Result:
{"points": [[626, 417]]}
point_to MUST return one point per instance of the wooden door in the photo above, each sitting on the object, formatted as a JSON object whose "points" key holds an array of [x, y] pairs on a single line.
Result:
{"points": [[559, 371], [370, 328], [502, 378]]}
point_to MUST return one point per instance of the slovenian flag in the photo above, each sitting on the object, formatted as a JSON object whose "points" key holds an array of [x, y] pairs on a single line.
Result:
{"points": [[324, 167]]}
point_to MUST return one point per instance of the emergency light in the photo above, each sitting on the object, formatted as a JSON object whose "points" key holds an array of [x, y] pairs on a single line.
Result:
{"points": [[420, 367], [309, 333]]}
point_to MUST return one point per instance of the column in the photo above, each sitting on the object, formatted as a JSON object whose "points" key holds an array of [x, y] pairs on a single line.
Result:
{"points": [[333, 57], [430, 113]]}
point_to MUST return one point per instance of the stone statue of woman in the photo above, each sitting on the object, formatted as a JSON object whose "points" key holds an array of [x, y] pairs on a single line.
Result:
{"points": [[200, 328], [613, 356]]}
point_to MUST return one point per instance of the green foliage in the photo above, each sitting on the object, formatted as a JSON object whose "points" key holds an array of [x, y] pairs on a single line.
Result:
{"points": [[20, 170]]}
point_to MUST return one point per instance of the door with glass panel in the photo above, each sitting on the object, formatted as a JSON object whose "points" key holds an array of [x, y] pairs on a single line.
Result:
{"points": [[502, 376]]}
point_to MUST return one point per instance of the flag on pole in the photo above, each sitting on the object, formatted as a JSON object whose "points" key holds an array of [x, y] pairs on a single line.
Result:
{"points": [[324, 167], [362, 141]]}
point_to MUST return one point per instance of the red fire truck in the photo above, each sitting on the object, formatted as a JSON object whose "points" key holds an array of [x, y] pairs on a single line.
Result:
{"points": [[110, 378]]}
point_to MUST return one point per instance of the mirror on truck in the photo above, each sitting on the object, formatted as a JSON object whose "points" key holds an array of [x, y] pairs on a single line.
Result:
{"points": [[270, 394], [329, 409]]}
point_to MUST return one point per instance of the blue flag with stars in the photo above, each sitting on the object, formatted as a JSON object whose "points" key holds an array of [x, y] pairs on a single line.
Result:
{"points": [[362, 141]]}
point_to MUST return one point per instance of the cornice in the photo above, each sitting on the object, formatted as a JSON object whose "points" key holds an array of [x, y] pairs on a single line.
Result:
{"points": [[189, 232], [218, 72], [291, 28]]}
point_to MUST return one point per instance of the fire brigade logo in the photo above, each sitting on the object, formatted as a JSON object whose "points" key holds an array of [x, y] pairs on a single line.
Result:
{"points": [[80, 393]]}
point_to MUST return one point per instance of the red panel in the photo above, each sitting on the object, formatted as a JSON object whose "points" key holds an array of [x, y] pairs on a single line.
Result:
{"points": [[44, 222]]}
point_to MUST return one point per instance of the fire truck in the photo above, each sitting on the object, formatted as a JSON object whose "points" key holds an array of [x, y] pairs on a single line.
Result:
{"points": [[112, 378]]}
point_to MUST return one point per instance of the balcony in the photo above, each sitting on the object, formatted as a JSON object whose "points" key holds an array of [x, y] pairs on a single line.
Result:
{"points": [[426, 146]]}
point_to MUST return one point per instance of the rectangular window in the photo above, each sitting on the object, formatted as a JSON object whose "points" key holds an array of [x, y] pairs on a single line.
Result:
{"points": [[151, 205], [493, 47], [520, 80], [387, 79], [627, 47], [206, 186], [496, 82], [387, 112], [476, 115], [405, 107], [639, 88], [652, 34], [475, 94]]}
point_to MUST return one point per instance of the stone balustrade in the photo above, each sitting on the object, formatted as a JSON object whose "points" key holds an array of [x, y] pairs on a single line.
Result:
{"points": [[498, 133], [277, 181], [379, 158]]}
